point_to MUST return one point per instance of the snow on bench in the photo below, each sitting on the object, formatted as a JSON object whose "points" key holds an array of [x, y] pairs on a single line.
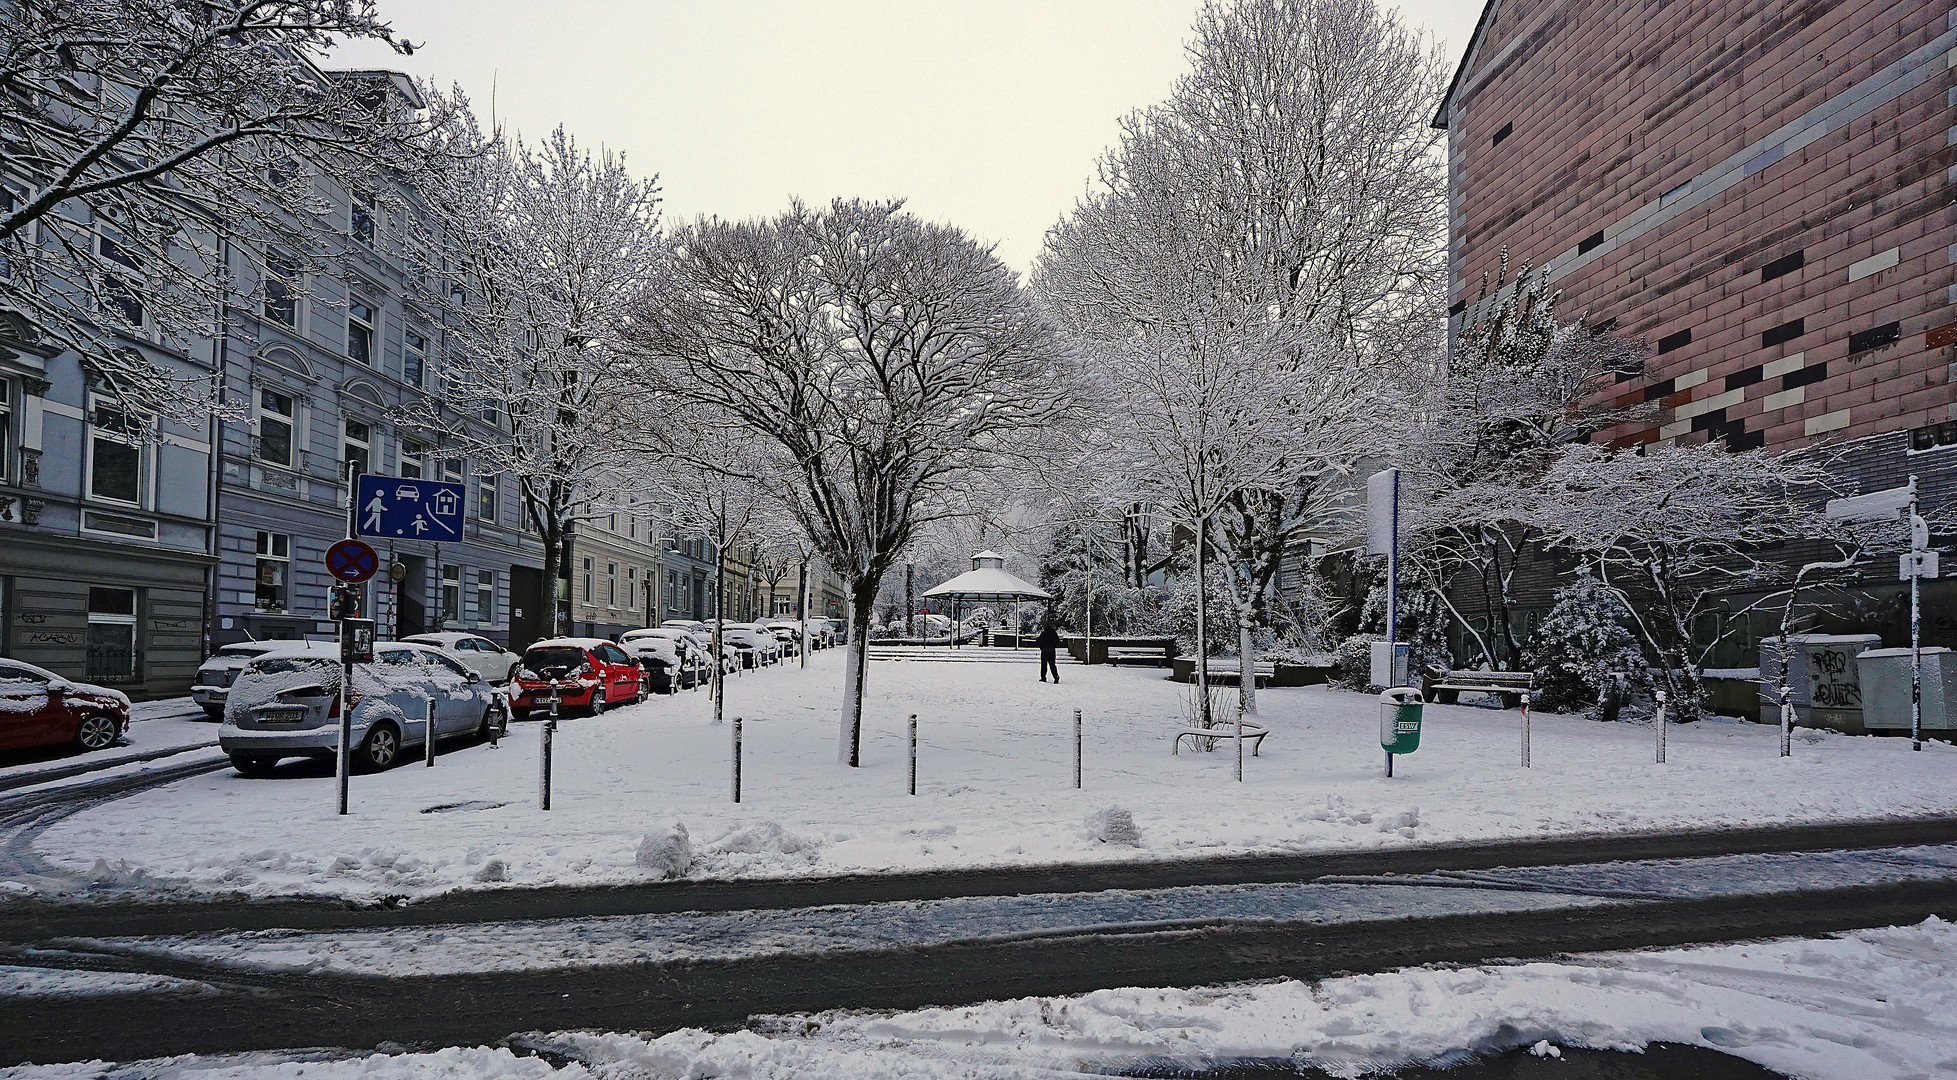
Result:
{"points": [[1512, 687]]}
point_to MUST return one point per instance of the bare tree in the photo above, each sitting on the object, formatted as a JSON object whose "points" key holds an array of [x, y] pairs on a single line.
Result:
{"points": [[880, 358], [148, 147], [533, 256], [1270, 236]]}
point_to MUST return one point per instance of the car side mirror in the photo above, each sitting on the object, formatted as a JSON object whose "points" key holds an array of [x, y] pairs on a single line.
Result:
{"points": [[59, 686], [474, 677]]}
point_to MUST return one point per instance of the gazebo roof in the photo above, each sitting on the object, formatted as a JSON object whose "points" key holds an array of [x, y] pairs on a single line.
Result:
{"points": [[987, 583]]}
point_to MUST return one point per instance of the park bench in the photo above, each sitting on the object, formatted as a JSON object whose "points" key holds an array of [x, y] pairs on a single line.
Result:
{"points": [[1512, 687], [1151, 655], [1227, 732]]}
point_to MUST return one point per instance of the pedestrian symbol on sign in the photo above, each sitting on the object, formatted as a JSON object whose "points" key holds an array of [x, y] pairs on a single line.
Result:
{"points": [[412, 509]]}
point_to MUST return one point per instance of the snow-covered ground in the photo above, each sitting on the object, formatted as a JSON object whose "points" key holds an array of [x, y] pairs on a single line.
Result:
{"points": [[1871, 1005], [995, 788]]}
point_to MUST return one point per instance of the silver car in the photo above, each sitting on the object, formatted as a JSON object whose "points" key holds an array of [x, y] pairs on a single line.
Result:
{"points": [[212, 684], [287, 704]]}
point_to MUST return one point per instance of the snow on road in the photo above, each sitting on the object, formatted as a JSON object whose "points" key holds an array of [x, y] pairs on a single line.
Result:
{"points": [[1870, 1005], [474, 948], [995, 788]]}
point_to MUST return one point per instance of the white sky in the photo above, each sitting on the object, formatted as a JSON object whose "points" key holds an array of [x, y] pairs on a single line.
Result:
{"points": [[984, 113]]}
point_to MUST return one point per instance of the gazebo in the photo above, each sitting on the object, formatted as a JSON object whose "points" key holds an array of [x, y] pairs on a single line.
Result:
{"points": [[987, 582]]}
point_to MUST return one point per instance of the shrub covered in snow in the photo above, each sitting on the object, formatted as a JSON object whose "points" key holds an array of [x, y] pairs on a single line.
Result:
{"points": [[1353, 664], [1584, 640]]}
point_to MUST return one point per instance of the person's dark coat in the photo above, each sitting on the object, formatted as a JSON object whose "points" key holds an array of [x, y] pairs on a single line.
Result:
{"points": [[1049, 639]]}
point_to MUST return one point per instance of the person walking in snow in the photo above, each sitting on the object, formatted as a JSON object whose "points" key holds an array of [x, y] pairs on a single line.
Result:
{"points": [[1049, 643]]}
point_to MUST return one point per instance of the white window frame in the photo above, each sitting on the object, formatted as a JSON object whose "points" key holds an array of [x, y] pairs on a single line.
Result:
{"points": [[486, 588], [588, 574], [356, 202], [451, 591], [295, 282], [490, 486], [145, 324], [347, 441], [611, 585], [291, 420], [267, 545], [9, 442], [96, 618], [415, 454], [371, 325], [144, 471], [410, 335]]}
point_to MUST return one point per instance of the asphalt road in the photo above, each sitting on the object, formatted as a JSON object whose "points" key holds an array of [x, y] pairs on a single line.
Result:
{"points": [[235, 1010]]}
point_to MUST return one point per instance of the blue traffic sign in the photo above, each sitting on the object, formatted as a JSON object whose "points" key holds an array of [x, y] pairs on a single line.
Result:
{"points": [[392, 506], [352, 561]]}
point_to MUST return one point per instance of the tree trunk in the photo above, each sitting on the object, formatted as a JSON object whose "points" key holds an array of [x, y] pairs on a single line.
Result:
{"points": [[553, 573], [719, 630], [849, 747], [802, 608], [1202, 622]]}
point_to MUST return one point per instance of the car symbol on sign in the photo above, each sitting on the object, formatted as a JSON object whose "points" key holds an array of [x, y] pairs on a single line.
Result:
{"points": [[408, 491]]}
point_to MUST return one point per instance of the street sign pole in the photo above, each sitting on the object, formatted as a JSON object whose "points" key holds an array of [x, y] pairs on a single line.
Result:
{"points": [[343, 756], [1918, 541]]}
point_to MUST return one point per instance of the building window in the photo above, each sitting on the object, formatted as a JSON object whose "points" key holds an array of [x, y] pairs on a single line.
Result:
{"points": [[274, 562], [119, 295], [672, 590], [486, 498], [611, 584], [587, 579], [275, 426], [414, 358], [1933, 436], [360, 331], [451, 592], [631, 586], [281, 289], [413, 454], [360, 218], [7, 452], [450, 471], [486, 596], [115, 454], [111, 633], [357, 446]]}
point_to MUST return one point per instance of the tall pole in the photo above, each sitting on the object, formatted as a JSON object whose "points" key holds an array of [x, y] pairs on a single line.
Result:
{"points": [[719, 626], [343, 757], [1918, 539], [1393, 587], [1202, 621], [802, 608]]}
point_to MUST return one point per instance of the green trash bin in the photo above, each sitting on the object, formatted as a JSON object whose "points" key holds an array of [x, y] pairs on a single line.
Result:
{"points": [[1399, 720]]}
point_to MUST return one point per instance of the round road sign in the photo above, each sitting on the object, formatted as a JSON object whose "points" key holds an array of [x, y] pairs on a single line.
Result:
{"points": [[352, 560]]}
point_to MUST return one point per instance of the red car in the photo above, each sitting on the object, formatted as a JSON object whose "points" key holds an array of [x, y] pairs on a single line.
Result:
{"points": [[588, 673], [40, 708]]}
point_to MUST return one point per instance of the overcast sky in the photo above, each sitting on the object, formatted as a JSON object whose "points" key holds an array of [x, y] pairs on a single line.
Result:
{"points": [[984, 113]]}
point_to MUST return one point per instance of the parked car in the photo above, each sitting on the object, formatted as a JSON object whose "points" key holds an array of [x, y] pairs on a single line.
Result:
{"points": [[214, 678], [744, 643], [479, 654], [287, 703], [840, 629], [40, 708], [673, 659], [691, 625], [589, 673], [788, 633]]}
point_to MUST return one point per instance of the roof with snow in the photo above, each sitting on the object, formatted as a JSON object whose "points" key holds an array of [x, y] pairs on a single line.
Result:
{"points": [[988, 581]]}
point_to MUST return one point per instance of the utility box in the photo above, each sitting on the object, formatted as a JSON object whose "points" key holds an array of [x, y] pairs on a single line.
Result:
{"points": [[1399, 720], [1885, 689], [1823, 676]]}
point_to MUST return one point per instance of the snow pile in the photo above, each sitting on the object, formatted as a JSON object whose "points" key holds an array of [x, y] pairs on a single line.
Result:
{"points": [[1113, 826], [666, 853], [1873, 1005]]}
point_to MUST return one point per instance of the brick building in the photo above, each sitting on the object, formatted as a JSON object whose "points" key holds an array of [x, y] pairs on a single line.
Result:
{"points": [[1759, 190]]}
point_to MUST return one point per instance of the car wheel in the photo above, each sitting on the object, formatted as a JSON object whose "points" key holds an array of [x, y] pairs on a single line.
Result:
{"points": [[381, 747], [98, 731], [495, 723], [254, 765], [214, 712], [597, 699]]}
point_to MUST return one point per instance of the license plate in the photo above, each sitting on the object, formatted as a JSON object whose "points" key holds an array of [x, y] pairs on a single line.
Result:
{"points": [[282, 714]]}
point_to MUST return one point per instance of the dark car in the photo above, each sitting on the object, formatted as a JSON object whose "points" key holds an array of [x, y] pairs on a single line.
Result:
{"points": [[40, 708], [588, 673]]}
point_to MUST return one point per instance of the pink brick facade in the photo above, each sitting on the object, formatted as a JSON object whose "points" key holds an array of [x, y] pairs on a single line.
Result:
{"points": [[1761, 190]]}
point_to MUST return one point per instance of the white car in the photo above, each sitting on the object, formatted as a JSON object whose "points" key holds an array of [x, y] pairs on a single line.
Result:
{"points": [[212, 685], [477, 653], [674, 659]]}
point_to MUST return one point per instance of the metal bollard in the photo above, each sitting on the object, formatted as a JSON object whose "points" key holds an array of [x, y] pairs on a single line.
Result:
{"points": [[913, 753], [1076, 749], [1525, 731], [737, 759], [1660, 724], [543, 752], [428, 734]]}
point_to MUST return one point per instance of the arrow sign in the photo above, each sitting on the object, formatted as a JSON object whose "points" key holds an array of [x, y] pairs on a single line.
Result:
{"points": [[352, 560], [392, 506]]}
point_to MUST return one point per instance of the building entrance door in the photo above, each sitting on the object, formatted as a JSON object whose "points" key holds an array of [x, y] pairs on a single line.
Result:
{"points": [[528, 609]]}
